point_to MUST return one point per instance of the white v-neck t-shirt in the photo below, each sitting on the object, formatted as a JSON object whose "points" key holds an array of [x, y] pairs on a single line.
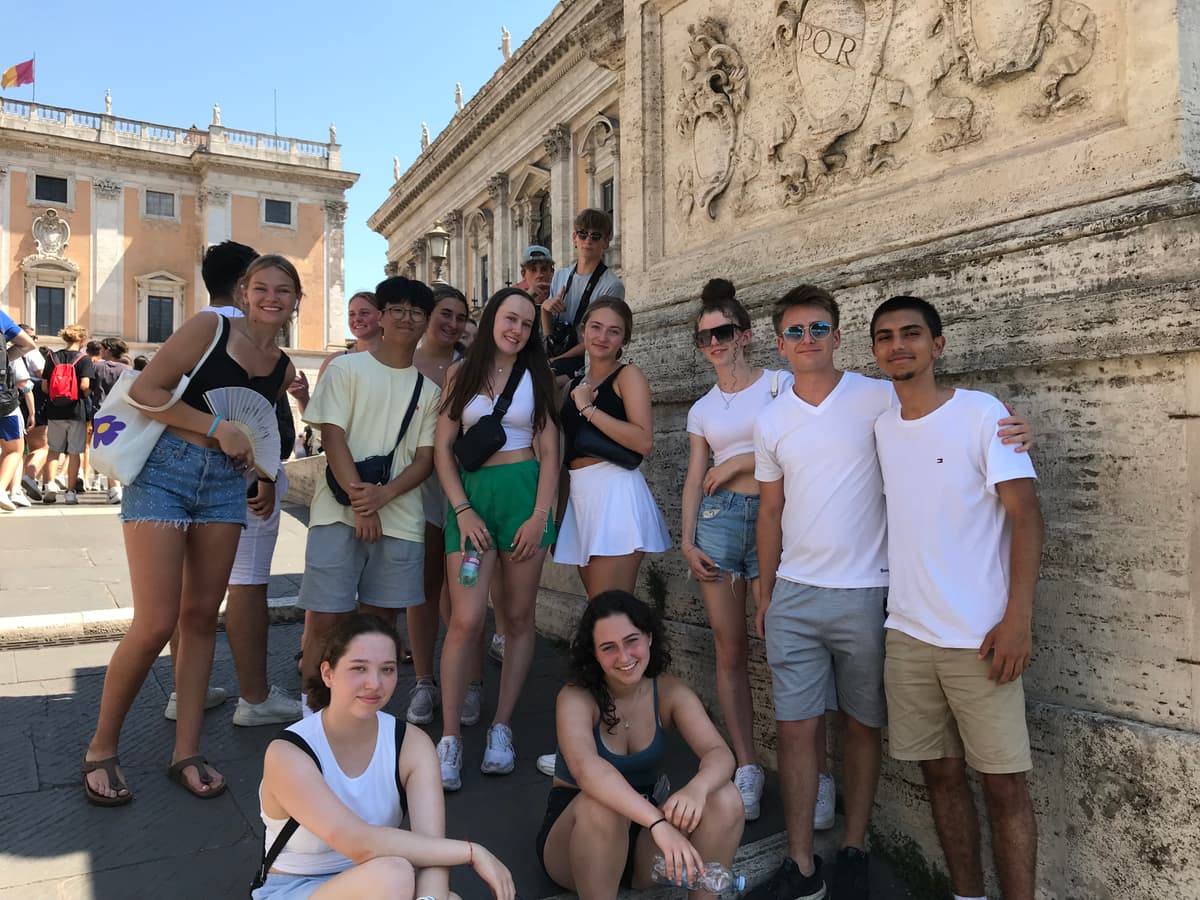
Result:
{"points": [[834, 520]]}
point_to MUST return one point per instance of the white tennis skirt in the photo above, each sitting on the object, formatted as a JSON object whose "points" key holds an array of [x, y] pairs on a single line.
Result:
{"points": [[610, 512]]}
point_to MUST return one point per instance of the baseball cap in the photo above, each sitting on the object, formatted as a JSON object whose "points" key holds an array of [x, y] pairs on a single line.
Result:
{"points": [[536, 253]]}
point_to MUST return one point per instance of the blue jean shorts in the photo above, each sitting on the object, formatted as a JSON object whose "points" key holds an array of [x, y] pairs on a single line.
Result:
{"points": [[725, 530], [289, 887], [182, 484]]}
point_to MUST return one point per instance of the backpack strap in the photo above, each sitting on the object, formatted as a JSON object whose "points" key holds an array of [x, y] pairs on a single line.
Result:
{"points": [[775, 384], [289, 828], [401, 727], [506, 395]]}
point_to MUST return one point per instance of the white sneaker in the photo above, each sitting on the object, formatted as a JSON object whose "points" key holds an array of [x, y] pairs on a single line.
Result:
{"points": [[6, 502], [422, 702], [114, 494], [449, 751], [824, 814], [72, 498], [60, 481], [214, 696], [545, 763], [49, 492], [496, 648], [277, 709], [499, 758], [749, 782], [472, 704], [18, 497]]}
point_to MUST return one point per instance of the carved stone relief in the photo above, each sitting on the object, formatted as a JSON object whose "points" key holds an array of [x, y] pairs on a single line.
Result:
{"points": [[709, 116], [498, 188], [557, 142], [391, 268], [106, 187], [602, 36], [51, 235], [1024, 36], [335, 211], [453, 220]]}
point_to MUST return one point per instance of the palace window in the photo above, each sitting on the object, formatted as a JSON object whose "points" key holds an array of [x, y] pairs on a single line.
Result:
{"points": [[544, 222], [160, 203], [606, 197], [484, 293], [277, 212], [50, 309], [49, 189], [160, 318]]}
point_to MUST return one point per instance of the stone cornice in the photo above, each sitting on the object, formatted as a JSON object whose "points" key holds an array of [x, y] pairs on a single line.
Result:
{"points": [[551, 51]]}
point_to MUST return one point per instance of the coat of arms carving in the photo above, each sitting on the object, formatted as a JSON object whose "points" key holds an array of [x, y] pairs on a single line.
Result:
{"points": [[51, 234]]}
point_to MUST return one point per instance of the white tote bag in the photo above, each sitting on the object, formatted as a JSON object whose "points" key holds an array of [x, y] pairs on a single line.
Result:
{"points": [[123, 435]]}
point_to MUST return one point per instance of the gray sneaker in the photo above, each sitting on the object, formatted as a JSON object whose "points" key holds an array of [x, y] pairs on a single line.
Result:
{"points": [[500, 757], [472, 704], [449, 751], [277, 709], [422, 702], [213, 697], [496, 648]]}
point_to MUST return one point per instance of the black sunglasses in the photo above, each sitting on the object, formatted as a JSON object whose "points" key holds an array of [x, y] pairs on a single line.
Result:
{"points": [[594, 235], [723, 333]]}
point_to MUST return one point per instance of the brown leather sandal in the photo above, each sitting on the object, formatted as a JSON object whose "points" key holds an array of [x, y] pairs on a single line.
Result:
{"points": [[109, 767], [175, 773]]}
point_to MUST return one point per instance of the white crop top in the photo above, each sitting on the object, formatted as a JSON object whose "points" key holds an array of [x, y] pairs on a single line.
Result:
{"points": [[517, 422], [729, 427], [371, 796]]}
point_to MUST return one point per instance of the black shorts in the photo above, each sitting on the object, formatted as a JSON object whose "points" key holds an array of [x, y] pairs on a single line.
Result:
{"points": [[560, 798]]}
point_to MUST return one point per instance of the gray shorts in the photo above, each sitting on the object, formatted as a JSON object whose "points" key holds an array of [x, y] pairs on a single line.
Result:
{"points": [[340, 569], [823, 638], [66, 435]]}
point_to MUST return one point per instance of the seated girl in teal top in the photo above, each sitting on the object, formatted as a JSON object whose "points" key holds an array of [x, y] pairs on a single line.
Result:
{"points": [[602, 828]]}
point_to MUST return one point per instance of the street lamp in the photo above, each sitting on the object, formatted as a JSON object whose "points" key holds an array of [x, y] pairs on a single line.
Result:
{"points": [[439, 249]]}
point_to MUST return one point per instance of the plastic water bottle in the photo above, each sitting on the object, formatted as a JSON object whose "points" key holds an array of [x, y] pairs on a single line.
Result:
{"points": [[468, 572], [716, 878]]}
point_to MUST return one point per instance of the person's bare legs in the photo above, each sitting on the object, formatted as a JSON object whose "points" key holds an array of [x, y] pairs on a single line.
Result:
{"points": [[155, 552], [383, 876], [423, 619], [611, 573], [52, 461], [208, 560], [956, 822], [317, 626], [460, 649], [35, 460], [799, 770], [586, 849], [863, 751], [725, 602], [1014, 833], [246, 626], [10, 464], [73, 460], [521, 583]]}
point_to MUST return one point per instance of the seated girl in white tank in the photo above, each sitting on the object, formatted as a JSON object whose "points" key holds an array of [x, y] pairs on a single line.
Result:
{"points": [[372, 771]]}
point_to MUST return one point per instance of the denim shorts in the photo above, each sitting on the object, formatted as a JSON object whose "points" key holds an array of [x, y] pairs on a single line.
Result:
{"points": [[725, 530], [182, 484], [279, 886]]}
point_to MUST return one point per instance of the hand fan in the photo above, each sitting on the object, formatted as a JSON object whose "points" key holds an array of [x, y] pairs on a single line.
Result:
{"points": [[255, 416]]}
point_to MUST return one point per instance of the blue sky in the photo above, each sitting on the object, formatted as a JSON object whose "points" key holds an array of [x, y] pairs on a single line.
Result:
{"points": [[376, 70]]}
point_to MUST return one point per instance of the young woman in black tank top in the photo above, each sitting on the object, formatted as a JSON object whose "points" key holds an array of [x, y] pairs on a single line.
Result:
{"points": [[182, 518]]}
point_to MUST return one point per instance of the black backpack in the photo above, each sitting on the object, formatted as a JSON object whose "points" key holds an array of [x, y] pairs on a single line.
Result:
{"points": [[289, 828]]}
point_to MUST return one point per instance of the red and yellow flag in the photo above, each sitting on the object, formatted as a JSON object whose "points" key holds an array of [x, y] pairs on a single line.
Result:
{"points": [[15, 76]]}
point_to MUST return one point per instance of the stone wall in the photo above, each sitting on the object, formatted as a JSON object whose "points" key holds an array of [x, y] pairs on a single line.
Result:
{"points": [[1030, 167]]}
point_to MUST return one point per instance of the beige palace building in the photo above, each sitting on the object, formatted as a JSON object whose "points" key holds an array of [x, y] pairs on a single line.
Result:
{"points": [[104, 220]]}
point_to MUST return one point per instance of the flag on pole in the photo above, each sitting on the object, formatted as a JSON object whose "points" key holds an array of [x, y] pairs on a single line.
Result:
{"points": [[15, 76]]}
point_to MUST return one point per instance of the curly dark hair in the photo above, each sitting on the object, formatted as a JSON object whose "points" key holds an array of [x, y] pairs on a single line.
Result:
{"points": [[335, 647], [585, 671]]}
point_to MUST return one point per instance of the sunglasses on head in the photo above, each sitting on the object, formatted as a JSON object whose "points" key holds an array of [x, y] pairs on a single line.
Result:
{"points": [[818, 330], [594, 235], [723, 333]]}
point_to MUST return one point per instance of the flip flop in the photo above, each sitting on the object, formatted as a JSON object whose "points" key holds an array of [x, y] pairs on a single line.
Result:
{"points": [[175, 773], [109, 767]]}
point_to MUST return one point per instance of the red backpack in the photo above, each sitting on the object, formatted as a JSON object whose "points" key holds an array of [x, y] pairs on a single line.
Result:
{"points": [[63, 388]]}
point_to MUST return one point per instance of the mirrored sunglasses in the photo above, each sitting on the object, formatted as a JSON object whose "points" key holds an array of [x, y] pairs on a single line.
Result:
{"points": [[818, 330]]}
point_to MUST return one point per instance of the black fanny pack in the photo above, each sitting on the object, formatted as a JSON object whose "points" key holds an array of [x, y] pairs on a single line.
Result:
{"points": [[376, 469], [478, 443]]}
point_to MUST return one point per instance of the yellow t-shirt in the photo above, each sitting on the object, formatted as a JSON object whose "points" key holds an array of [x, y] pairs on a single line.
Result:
{"points": [[367, 400]]}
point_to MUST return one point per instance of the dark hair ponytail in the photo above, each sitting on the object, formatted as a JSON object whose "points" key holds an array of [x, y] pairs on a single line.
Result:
{"points": [[334, 649]]}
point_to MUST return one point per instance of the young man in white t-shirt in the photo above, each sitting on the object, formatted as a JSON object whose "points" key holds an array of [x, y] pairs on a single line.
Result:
{"points": [[371, 552], [965, 543]]}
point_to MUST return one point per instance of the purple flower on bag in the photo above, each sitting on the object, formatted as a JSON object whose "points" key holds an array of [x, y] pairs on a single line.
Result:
{"points": [[105, 430]]}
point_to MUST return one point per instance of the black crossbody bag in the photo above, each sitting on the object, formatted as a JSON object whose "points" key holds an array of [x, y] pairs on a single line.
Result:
{"points": [[376, 469], [591, 441], [478, 443], [563, 336], [289, 828]]}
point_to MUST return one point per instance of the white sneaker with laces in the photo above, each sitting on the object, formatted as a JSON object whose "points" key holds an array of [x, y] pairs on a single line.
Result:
{"points": [[825, 813], [6, 502], [114, 494], [213, 697], [422, 702], [472, 704], [277, 709], [18, 497], [545, 763], [749, 782], [72, 498], [500, 757], [449, 751]]}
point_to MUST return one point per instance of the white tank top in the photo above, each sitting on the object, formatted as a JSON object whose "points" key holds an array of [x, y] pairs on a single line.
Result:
{"points": [[517, 422], [371, 796]]}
